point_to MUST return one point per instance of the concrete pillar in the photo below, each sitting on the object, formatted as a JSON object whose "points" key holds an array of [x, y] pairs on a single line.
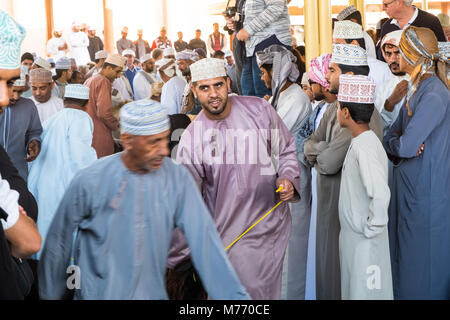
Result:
{"points": [[425, 5], [325, 28], [108, 26], [312, 31], [49, 18], [7, 6], [360, 5]]}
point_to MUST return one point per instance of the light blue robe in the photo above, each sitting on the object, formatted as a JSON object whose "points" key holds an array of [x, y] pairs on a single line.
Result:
{"points": [[66, 148], [419, 212], [125, 222]]}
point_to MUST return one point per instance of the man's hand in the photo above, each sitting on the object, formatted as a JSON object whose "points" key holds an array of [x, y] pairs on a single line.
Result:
{"points": [[288, 189], [399, 92], [243, 35], [419, 152], [33, 151], [267, 97], [230, 23]]}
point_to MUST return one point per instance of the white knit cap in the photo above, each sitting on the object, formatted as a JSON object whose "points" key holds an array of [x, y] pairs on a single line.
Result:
{"points": [[102, 54], [128, 51], [169, 52], [22, 82], [347, 30], [146, 57], [76, 91], [144, 118], [42, 63], [63, 64], [392, 38], [116, 59], [349, 54], [208, 68], [356, 89]]}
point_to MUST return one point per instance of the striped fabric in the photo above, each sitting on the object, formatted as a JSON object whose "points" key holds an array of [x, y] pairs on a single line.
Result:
{"points": [[264, 18], [144, 118], [77, 91], [11, 37]]}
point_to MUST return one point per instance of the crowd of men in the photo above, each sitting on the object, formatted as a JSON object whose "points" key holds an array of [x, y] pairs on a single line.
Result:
{"points": [[190, 171]]}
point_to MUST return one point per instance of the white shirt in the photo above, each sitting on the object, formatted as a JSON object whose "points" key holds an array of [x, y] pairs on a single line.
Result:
{"points": [[142, 88], [79, 43], [123, 86], [370, 46], [172, 94], [49, 108], [383, 93], [379, 72], [52, 48], [9, 203], [414, 17]]}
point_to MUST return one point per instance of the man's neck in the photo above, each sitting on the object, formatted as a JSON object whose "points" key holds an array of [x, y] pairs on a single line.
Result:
{"points": [[73, 106], [405, 16], [132, 165], [62, 80], [216, 34], [357, 128]]}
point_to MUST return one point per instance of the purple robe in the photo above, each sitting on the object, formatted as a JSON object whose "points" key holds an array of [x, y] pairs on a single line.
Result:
{"points": [[238, 190]]}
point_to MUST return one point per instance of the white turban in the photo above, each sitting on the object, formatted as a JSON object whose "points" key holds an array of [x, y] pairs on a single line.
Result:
{"points": [[169, 70]]}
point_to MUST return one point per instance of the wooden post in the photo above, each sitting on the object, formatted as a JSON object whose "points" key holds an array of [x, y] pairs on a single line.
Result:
{"points": [[325, 29], [312, 34], [49, 18], [108, 26]]}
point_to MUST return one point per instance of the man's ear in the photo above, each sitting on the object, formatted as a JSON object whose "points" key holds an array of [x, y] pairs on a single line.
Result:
{"points": [[126, 141], [195, 93], [228, 84]]}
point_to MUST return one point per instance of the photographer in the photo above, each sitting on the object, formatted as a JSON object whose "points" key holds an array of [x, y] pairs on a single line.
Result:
{"points": [[258, 24]]}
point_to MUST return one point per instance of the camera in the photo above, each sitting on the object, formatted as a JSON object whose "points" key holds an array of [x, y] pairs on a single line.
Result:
{"points": [[231, 12]]}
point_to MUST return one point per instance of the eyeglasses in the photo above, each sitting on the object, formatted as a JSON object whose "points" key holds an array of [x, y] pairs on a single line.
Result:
{"points": [[386, 5]]}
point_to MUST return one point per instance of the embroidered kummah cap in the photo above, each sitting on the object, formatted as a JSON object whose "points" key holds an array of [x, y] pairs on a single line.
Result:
{"points": [[356, 89], [11, 37], [116, 59], [208, 68], [346, 13], [228, 53], [147, 57], [77, 91], [102, 54], [169, 52], [187, 55], [42, 63], [318, 70], [22, 81], [63, 64], [128, 51], [392, 38], [349, 54], [347, 30], [41, 75], [144, 118]]}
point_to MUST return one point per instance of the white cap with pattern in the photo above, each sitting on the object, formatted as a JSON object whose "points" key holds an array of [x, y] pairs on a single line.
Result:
{"points": [[144, 118], [22, 82], [63, 64], [208, 68], [42, 63], [356, 89], [11, 37], [102, 54], [169, 52], [347, 30], [349, 54], [146, 57], [128, 51], [77, 91]]}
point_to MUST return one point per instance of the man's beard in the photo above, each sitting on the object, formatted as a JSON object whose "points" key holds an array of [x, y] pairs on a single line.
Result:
{"points": [[218, 110], [186, 72], [148, 70], [399, 73]]}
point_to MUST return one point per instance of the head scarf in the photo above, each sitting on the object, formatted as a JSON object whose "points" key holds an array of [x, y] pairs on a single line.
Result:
{"points": [[419, 47], [187, 55], [283, 66], [318, 70]]}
